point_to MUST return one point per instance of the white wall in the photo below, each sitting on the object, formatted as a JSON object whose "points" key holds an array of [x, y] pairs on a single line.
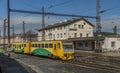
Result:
{"points": [[66, 32], [108, 43]]}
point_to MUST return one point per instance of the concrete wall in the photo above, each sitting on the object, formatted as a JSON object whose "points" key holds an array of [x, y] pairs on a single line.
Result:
{"points": [[108, 44]]}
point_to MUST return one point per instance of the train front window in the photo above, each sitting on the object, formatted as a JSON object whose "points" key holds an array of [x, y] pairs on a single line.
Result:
{"points": [[67, 47]]}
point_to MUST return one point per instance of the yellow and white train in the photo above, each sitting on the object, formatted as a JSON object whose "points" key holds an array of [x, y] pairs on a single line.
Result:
{"points": [[54, 49]]}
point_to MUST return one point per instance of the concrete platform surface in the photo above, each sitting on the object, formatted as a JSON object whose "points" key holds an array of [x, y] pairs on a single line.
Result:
{"points": [[9, 65]]}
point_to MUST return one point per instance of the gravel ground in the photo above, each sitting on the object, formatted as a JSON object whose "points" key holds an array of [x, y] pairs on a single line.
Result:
{"points": [[46, 65]]}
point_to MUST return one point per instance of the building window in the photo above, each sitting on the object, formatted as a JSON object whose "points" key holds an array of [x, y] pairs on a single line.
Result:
{"points": [[86, 44], [84, 23], [53, 36], [81, 26], [64, 27], [58, 35], [80, 34], [64, 33], [113, 44], [61, 35], [57, 28], [50, 35], [75, 35], [86, 35], [60, 27], [75, 25], [80, 44]]}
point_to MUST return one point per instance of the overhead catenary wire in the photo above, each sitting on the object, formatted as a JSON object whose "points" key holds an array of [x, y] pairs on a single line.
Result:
{"points": [[109, 9], [87, 10], [29, 5], [59, 4], [112, 8]]}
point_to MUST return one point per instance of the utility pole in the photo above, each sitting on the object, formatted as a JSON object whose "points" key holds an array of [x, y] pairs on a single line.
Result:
{"points": [[24, 36], [43, 24], [13, 33], [8, 16], [98, 24], [98, 27], [4, 34]]}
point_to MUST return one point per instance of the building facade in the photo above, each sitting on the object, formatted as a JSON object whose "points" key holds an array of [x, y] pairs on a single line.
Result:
{"points": [[111, 43], [68, 29]]}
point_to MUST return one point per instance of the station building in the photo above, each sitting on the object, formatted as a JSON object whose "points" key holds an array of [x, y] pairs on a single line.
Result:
{"points": [[80, 31], [70, 30]]}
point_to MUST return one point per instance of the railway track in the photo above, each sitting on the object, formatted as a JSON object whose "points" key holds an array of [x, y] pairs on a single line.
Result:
{"points": [[78, 61], [96, 61], [95, 65]]}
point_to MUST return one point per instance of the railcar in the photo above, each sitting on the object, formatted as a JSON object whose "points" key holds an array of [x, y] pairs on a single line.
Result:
{"points": [[53, 49]]}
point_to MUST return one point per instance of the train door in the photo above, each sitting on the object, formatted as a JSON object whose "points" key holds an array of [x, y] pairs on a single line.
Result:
{"points": [[57, 49], [27, 48]]}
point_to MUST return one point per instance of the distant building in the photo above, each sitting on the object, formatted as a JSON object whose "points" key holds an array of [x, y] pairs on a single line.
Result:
{"points": [[19, 38], [68, 29]]}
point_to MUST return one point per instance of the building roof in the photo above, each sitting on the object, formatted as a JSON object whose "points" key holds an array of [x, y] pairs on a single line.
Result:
{"points": [[67, 22]]}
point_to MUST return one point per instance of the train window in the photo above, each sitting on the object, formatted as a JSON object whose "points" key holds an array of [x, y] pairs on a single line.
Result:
{"points": [[39, 45], [35, 45], [20, 46], [58, 45], [50, 46], [55, 46], [32, 45], [42, 45], [46, 45], [24, 45], [15, 46]]}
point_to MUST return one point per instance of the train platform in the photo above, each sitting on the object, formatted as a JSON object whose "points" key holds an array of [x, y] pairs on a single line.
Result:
{"points": [[9, 65]]}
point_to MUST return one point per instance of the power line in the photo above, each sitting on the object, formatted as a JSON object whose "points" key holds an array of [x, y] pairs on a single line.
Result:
{"points": [[112, 8], [109, 9], [48, 13], [86, 10], [59, 4], [29, 5]]}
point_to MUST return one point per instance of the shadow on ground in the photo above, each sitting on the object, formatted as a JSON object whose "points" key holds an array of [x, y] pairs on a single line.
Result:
{"points": [[9, 65]]}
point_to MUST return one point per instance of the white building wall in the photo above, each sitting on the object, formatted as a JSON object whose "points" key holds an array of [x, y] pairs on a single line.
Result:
{"points": [[68, 31], [108, 43]]}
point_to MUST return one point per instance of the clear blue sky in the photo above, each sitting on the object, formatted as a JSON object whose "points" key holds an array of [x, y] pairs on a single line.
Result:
{"points": [[78, 7], [81, 7]]}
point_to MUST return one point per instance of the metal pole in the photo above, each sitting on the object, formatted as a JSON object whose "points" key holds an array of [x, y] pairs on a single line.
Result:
{"points": [[4, 34], [98, 24], [98, 27], [24, 36], [43, 24], [13, 33], [8, 16]]}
